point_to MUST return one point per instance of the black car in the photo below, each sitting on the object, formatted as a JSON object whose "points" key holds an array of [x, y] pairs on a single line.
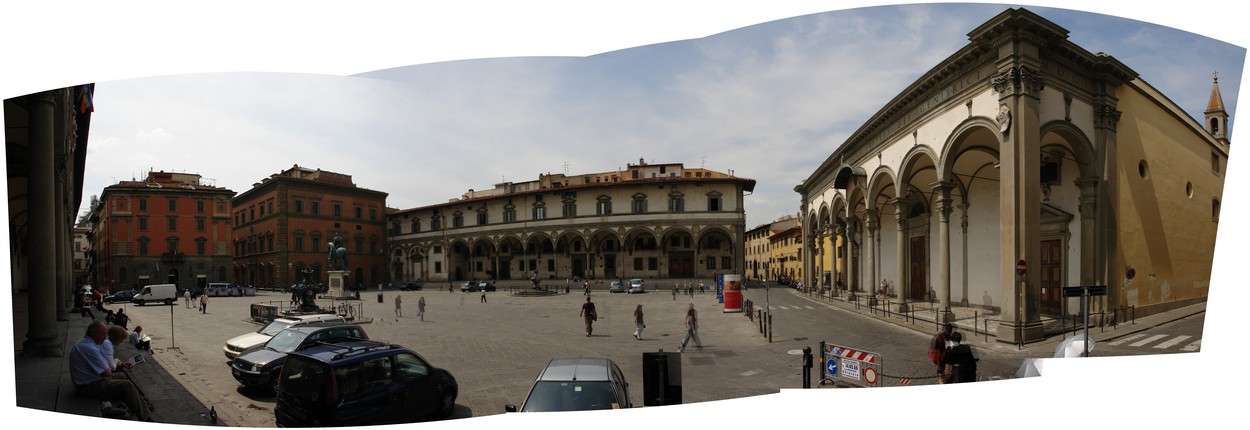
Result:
{"points": [[410, 286], [259, 366], [120, 296], [361, 383], [475, 286]]}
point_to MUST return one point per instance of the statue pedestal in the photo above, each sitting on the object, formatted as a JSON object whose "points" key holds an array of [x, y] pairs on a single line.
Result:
{"points": [[336, 283]]}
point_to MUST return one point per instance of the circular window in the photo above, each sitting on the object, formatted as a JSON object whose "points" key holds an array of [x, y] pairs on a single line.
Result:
{"points": [[1143, 169], [1189, 189]]}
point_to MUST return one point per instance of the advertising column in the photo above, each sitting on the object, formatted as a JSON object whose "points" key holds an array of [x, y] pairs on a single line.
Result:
{"points": [[733, 293]]}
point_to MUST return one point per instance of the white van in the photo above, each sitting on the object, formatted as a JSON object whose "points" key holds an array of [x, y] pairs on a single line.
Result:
{"points": [[164, 293]]}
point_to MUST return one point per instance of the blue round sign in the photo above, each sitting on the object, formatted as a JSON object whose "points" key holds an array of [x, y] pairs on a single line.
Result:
{"points": [[832, 367]]}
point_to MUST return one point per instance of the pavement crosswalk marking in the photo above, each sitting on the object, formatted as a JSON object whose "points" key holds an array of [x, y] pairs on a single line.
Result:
{"points": [[1193, 346], [1125, 339], [1172, 342], [1148, 340]]}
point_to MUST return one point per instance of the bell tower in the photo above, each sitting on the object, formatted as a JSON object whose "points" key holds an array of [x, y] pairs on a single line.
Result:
{"points": [[1216, 117]]}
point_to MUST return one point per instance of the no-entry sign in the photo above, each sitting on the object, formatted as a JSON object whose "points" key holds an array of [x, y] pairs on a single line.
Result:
{"points": [[1021, 268]]}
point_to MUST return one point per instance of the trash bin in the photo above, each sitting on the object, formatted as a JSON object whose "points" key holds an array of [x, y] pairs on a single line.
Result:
{"points": [[379, 297]]}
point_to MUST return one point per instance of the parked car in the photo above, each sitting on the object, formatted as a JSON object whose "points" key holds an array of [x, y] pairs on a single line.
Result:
{"points": [[475, 286], [164, 293], [238, 344], [360, 383], [411, 286], [635, 286], [261, 365], [120, 296], [577, 384], [616, 287]]}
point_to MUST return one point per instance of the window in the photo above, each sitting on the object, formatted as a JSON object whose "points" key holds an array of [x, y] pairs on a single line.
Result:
{"points": [[201, 247], [1215, 163], [570, 209], [299, 206], [638, 263], [143, 247], [143, 204], [299, 243], [360, 213], [676, 203], [438, 267], [360, 245], [373, 246], [711, 263], [199, 205], [1215, 210], [395, 228], [540, 212], [652, 263], [416, 226], [313, 207], [481, 218], [373, 214], [726, 263], [457, 220], [271, 206], [639, 204], [173, 204], [173, 223], [271, 248], [604, 206], [251, 214], [438, 249], [436, 223], [199, 223], [143, 223], [172, 245], [509, 214], [262, 210], [713, 202], [338, 210]]}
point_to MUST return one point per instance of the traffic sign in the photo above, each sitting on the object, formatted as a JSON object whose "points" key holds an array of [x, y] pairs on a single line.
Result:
{"points": [[870, 375], [1021, 268], [832, 367], [851, 369]]}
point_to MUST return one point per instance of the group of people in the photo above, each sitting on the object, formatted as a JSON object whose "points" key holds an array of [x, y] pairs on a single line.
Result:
{"points": [[202, 300], [691, 323], [97, 373], [954, 359], [420, 307]]}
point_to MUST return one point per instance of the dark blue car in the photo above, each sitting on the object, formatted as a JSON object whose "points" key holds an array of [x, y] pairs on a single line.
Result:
{"points": [[361, 383]]}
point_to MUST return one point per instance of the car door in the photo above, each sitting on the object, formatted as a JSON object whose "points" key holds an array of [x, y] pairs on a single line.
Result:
{"points": [[421, 391], [370, 395]]}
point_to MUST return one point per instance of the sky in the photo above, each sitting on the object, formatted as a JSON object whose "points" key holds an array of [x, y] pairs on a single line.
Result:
{"points": [[768, 101], [425, 103]]}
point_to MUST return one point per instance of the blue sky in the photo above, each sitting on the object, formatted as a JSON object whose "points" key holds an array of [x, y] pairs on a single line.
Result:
{"points": [[246, 89]]}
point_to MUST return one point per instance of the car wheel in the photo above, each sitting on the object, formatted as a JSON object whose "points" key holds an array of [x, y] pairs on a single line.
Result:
{"points": [[447, 405], [139, 302], [169, 301]]}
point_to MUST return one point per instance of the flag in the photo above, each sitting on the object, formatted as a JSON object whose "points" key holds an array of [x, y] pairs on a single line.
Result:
{"points": [[84, 99]]}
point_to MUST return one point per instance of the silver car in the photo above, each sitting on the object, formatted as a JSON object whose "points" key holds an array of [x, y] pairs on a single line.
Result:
{"points": [[635, 286], [577, 384]]}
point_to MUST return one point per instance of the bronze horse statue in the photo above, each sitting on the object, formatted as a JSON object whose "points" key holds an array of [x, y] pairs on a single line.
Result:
{"points": [[338, 253]]}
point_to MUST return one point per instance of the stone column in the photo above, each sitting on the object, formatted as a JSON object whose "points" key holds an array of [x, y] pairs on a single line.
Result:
{"points": [[963, 229], [900, 284], [943, 190], [1089, 216], [41, 337], [871, 223]]}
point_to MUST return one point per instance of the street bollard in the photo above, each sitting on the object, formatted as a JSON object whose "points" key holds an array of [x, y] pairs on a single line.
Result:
{"points": [[770, 328], [807, 367]]}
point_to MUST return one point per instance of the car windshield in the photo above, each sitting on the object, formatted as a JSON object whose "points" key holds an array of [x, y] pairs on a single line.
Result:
{"points": [[555, 396], [274, 327], [286, 341]]}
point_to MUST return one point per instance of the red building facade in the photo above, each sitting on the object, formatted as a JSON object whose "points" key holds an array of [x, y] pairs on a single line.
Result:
{"points": [[170, 228], [283, 225]]}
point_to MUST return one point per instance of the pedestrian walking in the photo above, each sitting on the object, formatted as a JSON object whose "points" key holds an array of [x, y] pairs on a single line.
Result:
{"points": [[589, 315], [398, 304], [483, 295], [294, 297], [186, 298], [204, 303], [959, 365], [638, 324], [692, 330], [421, 308], [937, 347]]}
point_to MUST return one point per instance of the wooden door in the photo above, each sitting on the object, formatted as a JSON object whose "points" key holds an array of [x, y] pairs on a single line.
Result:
{"points": [[1052, 277], [919, 269]]}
